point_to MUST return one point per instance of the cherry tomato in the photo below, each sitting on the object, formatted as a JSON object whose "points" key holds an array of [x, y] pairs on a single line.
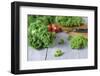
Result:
{"points": [[54, 28], [50, 28]]}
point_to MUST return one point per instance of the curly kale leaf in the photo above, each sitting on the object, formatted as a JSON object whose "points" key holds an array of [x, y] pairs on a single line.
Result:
{"points": [[69, 21], [78, 42], [38, 35]]}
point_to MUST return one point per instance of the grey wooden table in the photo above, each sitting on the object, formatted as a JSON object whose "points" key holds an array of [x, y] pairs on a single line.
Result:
{"points": [[48, 53]]}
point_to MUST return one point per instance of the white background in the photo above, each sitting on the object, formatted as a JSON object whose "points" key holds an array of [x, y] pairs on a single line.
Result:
{"points": [[5, 41]]}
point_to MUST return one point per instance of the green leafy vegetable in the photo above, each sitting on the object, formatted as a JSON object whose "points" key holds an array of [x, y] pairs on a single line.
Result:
{"points": [[69, 21], [58, 53], [38, 35], [61, 41], [51, 19], [69, 37], [78, 42], [31, 19], [42, 19]]}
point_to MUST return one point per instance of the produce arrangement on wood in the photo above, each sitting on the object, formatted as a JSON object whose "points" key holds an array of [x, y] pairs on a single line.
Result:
{"points": [[43, 31]]}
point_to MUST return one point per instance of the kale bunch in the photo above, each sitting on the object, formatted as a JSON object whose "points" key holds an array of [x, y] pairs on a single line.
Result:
{"points": [[69, 21], [43, 19], [38, 35], [78, 42]]}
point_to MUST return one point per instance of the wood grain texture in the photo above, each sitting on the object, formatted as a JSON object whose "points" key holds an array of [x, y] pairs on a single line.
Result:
{"points": [[48, 54]]}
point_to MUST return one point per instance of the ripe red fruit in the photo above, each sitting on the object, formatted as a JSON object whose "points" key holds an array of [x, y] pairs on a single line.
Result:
{"points": [[50, 28], [54, 28]]}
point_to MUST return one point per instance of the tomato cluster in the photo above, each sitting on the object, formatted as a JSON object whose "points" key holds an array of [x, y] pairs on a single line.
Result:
{"points": [[54, 28]]}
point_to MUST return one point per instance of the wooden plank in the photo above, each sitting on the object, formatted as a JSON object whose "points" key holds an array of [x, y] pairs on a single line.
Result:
{"points": [[35, 55], [75, 33], [68, 52], [48, 54]]}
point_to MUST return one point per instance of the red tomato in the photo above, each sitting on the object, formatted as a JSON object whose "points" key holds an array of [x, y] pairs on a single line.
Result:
{"points": [[59, 29], [50, 28], [54, 28]]}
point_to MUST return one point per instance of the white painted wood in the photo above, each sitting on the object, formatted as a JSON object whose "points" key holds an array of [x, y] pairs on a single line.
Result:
{"points": [[34, 54], [68, 52]]}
